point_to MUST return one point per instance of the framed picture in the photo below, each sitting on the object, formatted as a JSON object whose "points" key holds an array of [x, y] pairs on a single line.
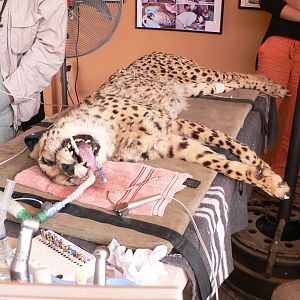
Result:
{"points": [[183, 15], [249, 4]]}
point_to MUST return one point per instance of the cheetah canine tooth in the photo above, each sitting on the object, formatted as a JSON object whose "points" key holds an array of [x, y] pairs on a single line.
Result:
{"points": [[74, 145]]}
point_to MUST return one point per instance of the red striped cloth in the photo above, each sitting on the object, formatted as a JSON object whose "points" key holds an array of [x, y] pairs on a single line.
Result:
{"points": [[139, 178]]}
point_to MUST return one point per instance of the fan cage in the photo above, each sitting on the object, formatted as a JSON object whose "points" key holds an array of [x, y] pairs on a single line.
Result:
{"points": [[91, 24]]}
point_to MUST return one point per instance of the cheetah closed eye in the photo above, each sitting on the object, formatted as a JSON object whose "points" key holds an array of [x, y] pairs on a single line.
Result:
{"points": [[133, 117]]}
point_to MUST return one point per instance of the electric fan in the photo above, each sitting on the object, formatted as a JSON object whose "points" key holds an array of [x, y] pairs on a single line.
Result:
{"points": [[91, 23]]}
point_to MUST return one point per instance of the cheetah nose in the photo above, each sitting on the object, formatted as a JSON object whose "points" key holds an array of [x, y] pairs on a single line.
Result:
{"points": [[68, 168]]}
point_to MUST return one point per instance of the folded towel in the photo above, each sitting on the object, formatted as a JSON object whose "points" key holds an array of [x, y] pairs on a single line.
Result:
{"points": [[127, 182]]}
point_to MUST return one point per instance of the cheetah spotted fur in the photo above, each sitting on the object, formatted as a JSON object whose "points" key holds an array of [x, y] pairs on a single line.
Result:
{"points": [[133, 117]]}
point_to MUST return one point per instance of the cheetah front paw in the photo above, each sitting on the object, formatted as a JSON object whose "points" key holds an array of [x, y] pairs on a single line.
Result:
{"points": [[271, 183]]}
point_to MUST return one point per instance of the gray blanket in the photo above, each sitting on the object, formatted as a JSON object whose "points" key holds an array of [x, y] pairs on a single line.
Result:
{"points": [[223, 211]]}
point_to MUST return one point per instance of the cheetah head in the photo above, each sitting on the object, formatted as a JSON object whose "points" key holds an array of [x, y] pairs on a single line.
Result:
{"points": [[69, 152]]}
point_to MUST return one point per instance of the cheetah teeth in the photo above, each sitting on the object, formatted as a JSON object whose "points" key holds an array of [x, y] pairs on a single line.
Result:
{"points": [[83, 163], [73, 143]]}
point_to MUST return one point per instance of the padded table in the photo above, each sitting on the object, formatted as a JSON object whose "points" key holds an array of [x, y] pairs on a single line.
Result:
{"points": [[219, 206]]}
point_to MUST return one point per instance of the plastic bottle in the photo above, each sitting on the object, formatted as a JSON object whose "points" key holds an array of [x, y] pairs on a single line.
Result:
{"points": [[6, 253]]}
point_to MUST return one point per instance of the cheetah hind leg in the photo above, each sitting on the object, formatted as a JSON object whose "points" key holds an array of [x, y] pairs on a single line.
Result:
{"points": [[268, 87], [175, 146], [189, 73], [209, 88], [253, 81]]}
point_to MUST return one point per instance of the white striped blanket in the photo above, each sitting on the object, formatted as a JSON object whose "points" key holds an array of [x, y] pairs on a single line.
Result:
{"points": [[212, 219]]}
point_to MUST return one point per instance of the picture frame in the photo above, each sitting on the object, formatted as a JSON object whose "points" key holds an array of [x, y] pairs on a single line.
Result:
{"points": [[252, 4], [202, 16]]}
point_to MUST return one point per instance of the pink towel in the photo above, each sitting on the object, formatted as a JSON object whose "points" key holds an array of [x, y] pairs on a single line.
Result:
{"points": [[120, 176]]}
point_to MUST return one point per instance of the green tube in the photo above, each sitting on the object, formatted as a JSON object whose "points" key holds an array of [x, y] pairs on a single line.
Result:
{"points": [[41, 217], [23, 214]]}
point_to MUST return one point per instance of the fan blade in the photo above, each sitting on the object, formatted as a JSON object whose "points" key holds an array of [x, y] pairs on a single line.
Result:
{"points": [[101, 7]]}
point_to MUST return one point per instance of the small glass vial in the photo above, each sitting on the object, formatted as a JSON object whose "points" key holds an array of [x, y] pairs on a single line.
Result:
{"points": [[6, 255]]}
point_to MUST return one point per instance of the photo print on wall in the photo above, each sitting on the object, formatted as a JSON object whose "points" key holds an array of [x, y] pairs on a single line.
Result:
{"points": [[183, 15], [249, 4]]}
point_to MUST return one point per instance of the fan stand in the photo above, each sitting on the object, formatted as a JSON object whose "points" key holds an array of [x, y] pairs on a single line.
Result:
{"points": [[64, 84], [268, 253]]}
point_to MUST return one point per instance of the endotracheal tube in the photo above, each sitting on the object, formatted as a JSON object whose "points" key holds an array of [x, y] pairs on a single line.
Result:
{"points": [[52, 209]]}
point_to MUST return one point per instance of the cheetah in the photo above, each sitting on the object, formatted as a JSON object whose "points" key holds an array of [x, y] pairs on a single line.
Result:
{"points": [[133, 117], [165, 19], [160, 16]]}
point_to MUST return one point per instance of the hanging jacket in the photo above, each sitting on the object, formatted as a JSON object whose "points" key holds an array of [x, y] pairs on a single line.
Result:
{"points": [[32, 49]]}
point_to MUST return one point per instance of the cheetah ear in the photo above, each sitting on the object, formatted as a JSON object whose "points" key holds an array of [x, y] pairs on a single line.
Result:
{"points": [[32, 143], [35, 151]]}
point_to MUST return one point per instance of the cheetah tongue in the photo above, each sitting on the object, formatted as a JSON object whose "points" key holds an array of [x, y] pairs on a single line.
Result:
{"points": [[87, 155]]}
